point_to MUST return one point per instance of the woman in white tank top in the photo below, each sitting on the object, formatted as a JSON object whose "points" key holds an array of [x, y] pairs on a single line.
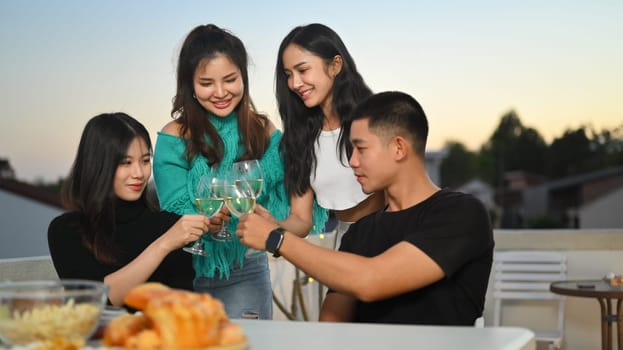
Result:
{"points": [[317, 87]]}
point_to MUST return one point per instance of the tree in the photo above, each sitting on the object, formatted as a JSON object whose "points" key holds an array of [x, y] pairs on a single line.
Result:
{"points": [[512, 147], [583, 150], [6, 170], [569, 154], [608, 146], [531, 151], [459, 166]]}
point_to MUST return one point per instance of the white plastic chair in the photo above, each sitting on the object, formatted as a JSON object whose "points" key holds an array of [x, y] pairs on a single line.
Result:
{"points": [[526, 276]]}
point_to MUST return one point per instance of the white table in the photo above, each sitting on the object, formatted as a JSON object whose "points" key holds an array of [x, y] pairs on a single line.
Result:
{"points": [[299, 335], [278, 335]]}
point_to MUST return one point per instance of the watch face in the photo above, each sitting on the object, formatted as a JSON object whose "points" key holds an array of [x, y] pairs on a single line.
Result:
{"points": [[273, 243]]}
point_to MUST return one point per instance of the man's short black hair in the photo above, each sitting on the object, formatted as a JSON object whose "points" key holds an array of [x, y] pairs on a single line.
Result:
{"points": [[391, 114]]}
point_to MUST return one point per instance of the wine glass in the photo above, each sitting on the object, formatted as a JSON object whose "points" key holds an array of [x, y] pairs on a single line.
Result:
{"points": [[208, 204], [241, 199], [223, 187], [250, 171], [248, 174]]}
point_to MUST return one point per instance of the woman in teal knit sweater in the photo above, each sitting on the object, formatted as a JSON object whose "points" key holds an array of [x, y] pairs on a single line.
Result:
{"points": [[215, 125]]}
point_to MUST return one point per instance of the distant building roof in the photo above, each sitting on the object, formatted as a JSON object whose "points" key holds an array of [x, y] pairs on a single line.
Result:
{"points": [[32, 192], [576, 180], [519, 179]]}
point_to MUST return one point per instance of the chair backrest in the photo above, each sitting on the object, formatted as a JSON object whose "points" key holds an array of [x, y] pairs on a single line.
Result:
{"points": [[526, 275], [27, 268]]}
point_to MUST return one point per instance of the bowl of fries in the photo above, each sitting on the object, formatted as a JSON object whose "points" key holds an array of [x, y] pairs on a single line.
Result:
{"points": [[40, 311]]}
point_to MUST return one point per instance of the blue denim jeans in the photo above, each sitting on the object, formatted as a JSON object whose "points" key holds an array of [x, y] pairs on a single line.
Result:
{"points": [[247, 293]]}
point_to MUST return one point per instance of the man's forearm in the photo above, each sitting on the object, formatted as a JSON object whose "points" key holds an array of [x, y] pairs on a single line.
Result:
{"points": [[341, 271]]}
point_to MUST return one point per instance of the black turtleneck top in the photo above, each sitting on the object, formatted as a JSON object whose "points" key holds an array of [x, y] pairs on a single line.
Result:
{"points": [[136, 227]]}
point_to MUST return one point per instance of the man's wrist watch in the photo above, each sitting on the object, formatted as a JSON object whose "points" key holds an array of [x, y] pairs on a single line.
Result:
{"points": [[274, 240]]}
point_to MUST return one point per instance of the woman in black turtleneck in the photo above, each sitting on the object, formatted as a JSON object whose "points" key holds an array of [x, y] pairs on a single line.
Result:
{"points": [[112, 232]]}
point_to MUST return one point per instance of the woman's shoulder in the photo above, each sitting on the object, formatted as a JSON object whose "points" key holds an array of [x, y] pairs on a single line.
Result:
{"points": [[66, 218], [158, 218], [265, 123], [169, 138], [270, 127], [167, 217], [173, 128], [66, 222]]}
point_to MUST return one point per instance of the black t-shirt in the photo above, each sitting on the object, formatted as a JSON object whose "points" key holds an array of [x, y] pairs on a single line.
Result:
{"points": [[453, 229], [137, 227]]}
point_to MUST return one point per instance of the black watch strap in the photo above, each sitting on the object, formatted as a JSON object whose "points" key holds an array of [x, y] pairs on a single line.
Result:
{"points": [[273, 243]]}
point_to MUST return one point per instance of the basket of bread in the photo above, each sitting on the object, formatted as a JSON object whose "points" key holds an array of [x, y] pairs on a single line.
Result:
{"points": [[173, 319]]}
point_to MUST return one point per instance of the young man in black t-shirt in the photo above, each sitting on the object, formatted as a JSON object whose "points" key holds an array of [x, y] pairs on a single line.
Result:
{"points": [[424, 259]]}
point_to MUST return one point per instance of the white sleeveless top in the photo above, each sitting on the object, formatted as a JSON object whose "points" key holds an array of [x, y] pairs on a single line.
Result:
{"points": [[334, 184]]}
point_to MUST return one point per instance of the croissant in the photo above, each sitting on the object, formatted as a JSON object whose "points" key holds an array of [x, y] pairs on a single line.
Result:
{"points": [[186, 319], [172, 318], [139, 296], [124, 327]]}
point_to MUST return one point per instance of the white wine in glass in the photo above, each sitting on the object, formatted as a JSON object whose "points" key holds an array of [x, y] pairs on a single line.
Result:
{"points": [[223, 187], [248, 174], [207, 204], [250, 171], [239, 206], [256, 185], [241, 199]]}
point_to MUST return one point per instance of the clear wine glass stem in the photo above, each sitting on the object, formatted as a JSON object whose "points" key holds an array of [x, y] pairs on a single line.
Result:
{"points": [[223, 235]]}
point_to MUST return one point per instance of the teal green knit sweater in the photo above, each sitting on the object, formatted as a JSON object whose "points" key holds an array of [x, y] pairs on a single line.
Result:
{"points": [[176, 180]]}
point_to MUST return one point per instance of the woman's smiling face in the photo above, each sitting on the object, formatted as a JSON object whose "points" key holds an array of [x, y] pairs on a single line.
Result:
{"points": [[309, 76], [218, 85]]}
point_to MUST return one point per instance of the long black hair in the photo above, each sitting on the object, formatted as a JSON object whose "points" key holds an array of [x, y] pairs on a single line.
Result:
{"points": [[302, 125], [89, 189], [203, 43]]}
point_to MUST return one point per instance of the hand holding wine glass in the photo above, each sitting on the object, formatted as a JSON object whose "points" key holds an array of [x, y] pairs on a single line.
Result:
{"points": [[208, 204], [239, 188], [249, 180], [223, 186], [242, 202]]}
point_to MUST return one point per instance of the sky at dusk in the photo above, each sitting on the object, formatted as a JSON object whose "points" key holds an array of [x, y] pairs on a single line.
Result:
{"points": [[557, 63]]}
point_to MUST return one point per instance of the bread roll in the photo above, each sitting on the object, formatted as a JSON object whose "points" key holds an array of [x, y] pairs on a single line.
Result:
{"points": [[139, 296], [172, 319]]}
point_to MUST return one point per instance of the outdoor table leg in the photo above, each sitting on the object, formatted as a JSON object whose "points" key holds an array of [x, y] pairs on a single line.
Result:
{"points": [[620, 324], [605, 326], [609, 321]]}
